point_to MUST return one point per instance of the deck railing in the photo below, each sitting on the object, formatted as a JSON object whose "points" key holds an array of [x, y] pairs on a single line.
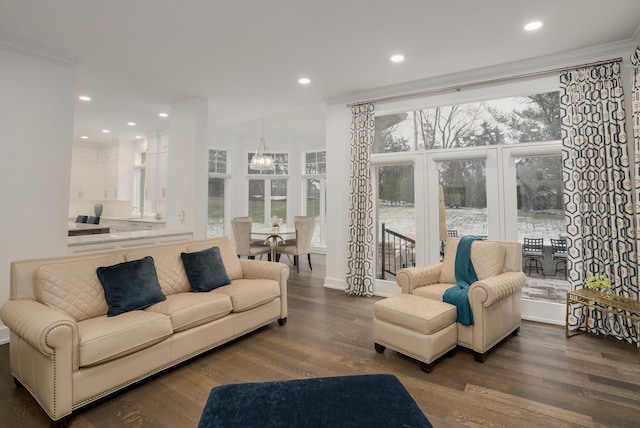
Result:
{"points": [[398, 251]]}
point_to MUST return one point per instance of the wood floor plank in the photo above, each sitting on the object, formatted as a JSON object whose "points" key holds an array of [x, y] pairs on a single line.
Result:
{"points": [[536, 379]]}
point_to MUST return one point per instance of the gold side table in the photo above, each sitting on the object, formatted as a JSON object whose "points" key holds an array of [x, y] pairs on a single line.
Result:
{"points": [[615, 306]]}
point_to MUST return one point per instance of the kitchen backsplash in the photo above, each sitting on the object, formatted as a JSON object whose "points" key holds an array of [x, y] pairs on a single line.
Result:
{"points": [[115, 208], [110, 208]]}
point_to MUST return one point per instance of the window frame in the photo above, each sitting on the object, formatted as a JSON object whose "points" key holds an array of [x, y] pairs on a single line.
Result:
{"points": [[322, 178], [227, 186]]}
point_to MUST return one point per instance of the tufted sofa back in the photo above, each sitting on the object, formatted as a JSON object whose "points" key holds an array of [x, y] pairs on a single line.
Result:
{"points": [[70, 283], [489, 258]]}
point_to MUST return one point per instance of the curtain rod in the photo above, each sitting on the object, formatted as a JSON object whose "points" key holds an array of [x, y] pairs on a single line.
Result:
{"points": [[458, 88]]}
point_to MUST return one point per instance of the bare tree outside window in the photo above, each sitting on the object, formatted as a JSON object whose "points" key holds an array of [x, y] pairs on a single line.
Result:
{"points": [[503, 121]]}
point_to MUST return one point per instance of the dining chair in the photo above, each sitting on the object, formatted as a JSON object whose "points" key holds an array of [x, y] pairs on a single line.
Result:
{"points": [[93, 220], [82, 219], [245, 246], [559, 254], [532, 252], [301, 245]]}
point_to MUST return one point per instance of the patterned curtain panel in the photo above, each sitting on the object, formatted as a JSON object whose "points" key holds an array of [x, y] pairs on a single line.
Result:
{"points": [[635, 97], [598, 190], [361, 269]]}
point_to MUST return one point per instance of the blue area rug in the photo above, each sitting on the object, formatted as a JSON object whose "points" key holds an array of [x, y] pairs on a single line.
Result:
{"points": [[344, 401]]}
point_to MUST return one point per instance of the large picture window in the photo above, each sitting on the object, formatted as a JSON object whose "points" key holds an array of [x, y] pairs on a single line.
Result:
{"points": [[268, 195], [512, 120], [489, 168], [216, 189], [315, 194]]}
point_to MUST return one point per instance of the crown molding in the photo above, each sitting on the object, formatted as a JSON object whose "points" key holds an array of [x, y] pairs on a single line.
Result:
{"points": [[25, 49], [540, 64]]}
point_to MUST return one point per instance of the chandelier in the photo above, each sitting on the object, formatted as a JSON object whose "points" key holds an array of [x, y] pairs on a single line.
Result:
{"points": [[261, 159]]}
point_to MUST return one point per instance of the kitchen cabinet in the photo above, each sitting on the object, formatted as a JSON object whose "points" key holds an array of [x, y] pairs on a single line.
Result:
{"points": [[85, 176], [156, 173], [116, 172], [84, 154], [109, 182], [102, 173]]}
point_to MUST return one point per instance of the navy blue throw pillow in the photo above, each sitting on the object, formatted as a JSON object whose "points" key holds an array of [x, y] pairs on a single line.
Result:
{"points": [[205, 269], [130, 285]]}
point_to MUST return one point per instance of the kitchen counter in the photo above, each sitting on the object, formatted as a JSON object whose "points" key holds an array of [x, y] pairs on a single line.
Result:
{"points": [[107, 241], [149, 219], [78, 229], [133, 224]]}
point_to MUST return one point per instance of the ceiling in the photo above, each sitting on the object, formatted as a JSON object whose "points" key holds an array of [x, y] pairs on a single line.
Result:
{"points": [[136, 58]]}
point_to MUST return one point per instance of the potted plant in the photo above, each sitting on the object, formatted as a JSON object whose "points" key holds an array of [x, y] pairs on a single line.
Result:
{"points": [[601, 283]]}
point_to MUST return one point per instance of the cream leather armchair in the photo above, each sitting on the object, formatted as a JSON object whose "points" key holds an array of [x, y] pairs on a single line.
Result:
{"points": [[495, 297]]}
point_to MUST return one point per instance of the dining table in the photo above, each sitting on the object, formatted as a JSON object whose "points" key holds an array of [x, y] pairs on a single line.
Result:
{"points": [[273, 236]]}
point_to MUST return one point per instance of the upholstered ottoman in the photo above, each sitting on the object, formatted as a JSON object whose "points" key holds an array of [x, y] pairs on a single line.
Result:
{"points": [[418, 327]]}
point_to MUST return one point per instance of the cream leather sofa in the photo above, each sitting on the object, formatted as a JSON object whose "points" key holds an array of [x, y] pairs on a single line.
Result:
{"points": [[495, 297], [68, 353]]}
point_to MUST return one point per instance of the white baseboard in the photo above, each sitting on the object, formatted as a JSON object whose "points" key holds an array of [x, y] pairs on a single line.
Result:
{"points": [[386, 288], [545, 312], [4, 335], [380, 288], [335, 283]]}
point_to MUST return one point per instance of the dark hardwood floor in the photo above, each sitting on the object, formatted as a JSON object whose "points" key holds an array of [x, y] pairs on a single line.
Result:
{"points": [[536, 379]]}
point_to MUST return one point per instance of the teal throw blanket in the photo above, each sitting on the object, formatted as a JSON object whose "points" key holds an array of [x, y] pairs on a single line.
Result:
{"points": [[458, 295]]}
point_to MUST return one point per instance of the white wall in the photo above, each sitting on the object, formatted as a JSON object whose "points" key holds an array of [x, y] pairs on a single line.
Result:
{"points": [[36, 131], [187, 167], [338, 136]]}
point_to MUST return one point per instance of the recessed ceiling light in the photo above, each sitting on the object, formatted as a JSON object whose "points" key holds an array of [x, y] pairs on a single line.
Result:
{"points": [[84, 98], [163, 114], [533, 25], [304, 80], [131, 123], [397, 58], [84, 137], [105, 131], [138, 137]]}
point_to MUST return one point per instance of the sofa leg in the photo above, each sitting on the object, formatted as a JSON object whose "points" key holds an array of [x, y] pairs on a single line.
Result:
{"points": [[480, 357], [452, 353], [379, 348], [282, 321], [61, 423], [427, 367], [516, 331], [17, 383]]}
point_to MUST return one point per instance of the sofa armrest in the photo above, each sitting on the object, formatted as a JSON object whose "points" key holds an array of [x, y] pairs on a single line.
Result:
{"points": [[260, 269], [411, 278], [37, 324], [498, 287]]}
